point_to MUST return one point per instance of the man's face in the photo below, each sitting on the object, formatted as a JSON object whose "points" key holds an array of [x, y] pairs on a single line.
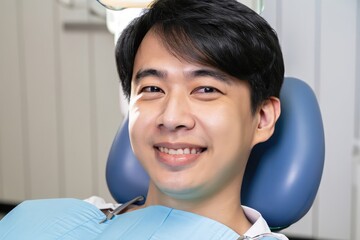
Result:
{"points": [[191, 126]]}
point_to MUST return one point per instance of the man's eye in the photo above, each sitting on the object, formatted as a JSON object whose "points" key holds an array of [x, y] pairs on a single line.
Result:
{"points": [[151, 89], [206, 90]]}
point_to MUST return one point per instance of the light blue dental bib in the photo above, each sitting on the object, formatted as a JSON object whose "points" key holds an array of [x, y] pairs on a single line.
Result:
{"points": [[71, 219], [158, 222]]}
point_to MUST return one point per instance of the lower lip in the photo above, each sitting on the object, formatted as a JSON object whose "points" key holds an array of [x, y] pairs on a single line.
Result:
{"points": [[177, 161]]}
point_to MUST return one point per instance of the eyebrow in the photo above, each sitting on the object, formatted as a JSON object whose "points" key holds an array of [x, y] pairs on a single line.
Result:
{"points": [[217, 75], [142, 73]]}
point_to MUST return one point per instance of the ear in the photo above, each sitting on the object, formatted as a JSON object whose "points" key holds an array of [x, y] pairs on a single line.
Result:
{"points": [[267, 115]]}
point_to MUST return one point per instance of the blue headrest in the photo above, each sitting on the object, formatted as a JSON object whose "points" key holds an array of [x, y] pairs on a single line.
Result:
{"points": [[282, 176]]}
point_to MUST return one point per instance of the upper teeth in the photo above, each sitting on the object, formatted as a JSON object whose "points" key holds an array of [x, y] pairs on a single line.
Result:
{"points": [[180, 151]]}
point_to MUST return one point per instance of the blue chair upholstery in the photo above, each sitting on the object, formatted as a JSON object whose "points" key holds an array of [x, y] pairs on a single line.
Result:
{"points": [[282, 176]]}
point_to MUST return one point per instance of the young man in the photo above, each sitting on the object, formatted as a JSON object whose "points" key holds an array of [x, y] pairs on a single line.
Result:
{"points": [[203, 80]]}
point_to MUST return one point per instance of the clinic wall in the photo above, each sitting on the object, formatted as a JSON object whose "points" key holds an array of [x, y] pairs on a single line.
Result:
{"points": [[59, 102]]}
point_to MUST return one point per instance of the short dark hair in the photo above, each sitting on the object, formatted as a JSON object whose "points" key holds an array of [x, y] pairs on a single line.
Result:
{"points": [[225, 35]]}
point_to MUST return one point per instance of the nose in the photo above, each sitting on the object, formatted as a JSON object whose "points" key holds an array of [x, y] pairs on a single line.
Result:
{"points": [[176, 114]]}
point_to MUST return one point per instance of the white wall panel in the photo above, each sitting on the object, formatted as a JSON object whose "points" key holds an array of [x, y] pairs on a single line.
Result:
{"points": [[58, 101], [76, 110], [12, 161], [39, 74], [337, 89], [356, 184], [272, 14], [298, 38]]}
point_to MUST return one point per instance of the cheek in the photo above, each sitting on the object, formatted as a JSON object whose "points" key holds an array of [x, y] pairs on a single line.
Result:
{"points": [[139, 121], [139, 115], [134, 118], [220, 122], [230, 129]]}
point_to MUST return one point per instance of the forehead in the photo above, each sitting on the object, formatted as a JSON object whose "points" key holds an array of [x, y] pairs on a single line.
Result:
{"points": [[151, 46], [154, 47], [178, 44], [154, 59], [153, 51]]}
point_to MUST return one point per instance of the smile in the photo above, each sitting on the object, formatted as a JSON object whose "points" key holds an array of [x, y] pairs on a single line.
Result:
{"points": [[181, 151], [178, 157]]}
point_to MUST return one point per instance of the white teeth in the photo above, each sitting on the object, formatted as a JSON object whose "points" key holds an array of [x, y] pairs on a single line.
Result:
{"points": [[186, 151], [179, 151], [172, 151]]}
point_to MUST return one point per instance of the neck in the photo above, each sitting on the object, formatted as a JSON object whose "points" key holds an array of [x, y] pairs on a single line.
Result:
{"points": [[224, 207]]}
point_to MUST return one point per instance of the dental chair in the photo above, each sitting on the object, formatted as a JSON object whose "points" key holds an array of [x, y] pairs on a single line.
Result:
{"points": [[282, 176]]}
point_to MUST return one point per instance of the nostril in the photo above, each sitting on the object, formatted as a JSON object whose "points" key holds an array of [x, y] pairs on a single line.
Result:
{"points": [[180, 126]]}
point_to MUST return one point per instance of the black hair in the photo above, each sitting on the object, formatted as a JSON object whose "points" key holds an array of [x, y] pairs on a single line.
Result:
{"points": [[225, 35]]}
